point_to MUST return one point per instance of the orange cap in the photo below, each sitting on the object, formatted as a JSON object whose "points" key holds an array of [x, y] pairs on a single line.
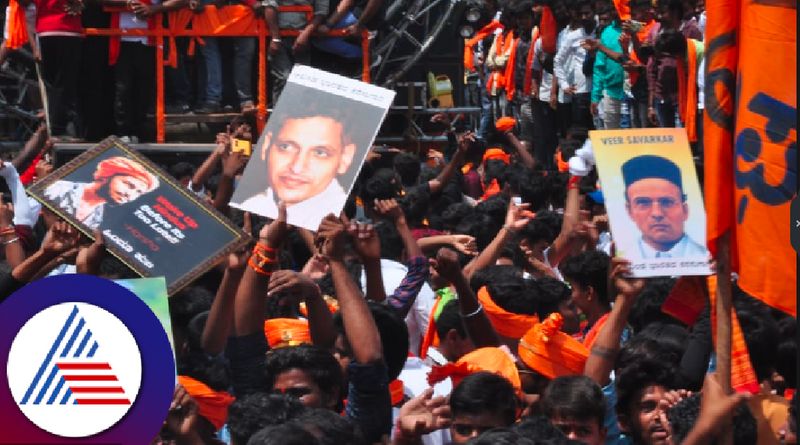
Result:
{"points": [[505, 124], [550, 352], [494, 360], [283, 332], [497, 154], [507, 324], [212, 405]]}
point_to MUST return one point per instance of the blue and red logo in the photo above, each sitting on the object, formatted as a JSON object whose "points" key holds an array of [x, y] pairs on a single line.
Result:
{"points": [[87, 362]]}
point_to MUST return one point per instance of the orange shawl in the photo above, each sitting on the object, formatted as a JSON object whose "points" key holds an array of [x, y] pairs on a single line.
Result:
{"points": [[469, 63], [17, 26], [526, 85]]}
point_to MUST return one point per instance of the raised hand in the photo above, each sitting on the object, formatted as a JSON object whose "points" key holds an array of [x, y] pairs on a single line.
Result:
{"points": [[60, 238], [292, 282], [424, 414], [331, 237], [365, 240], [447, 265], [465, 244], [89, 257], [517, 216], [389, 208], [274, 233], [620, 278]]}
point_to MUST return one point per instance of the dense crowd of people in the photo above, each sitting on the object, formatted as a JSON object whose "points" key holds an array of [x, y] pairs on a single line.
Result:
{"points": [[468, 295]]}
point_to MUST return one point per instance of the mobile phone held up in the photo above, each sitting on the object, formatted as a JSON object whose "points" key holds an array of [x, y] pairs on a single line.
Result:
{"points": [[241, 146]]}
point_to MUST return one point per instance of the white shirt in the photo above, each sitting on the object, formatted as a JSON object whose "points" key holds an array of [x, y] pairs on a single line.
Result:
{"points": [[415, 381], [701, 84], [568, 63], [546, 84], [685, 248], [417, 318], [306, 214]]}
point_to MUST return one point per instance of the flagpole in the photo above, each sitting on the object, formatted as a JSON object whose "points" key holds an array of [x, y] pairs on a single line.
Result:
{"points": [[724, 307]]}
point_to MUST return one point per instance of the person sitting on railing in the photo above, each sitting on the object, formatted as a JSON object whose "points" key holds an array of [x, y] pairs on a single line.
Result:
{"points": [[285, 52], [353, 16]]}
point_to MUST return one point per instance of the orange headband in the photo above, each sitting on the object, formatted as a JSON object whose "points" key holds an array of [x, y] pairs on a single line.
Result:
{"points": [[490, 359], [498, 154], [212, 405], [550, 352], [505, 124], [506, 323], [283, 332]]}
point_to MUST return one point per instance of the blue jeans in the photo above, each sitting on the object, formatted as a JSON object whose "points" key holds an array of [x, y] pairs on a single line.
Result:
{"points": [[666, 114], [244, 50], [338, 45], [213, 65]]}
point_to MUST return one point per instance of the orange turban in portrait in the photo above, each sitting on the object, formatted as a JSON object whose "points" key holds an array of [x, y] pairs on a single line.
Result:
{"points": [[211, 405], [507, 324], [495, 360], [282, 332], [550, 352], [125, 167]]}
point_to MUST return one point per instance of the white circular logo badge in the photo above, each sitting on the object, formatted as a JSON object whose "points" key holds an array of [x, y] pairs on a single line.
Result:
{"points": [[74, 369]]}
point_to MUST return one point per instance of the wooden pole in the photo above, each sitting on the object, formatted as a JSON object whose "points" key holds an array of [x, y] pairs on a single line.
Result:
{"points": [[160, 119], [724, 306]]}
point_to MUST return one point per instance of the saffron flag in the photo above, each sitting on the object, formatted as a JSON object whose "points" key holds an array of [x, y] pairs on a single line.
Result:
{"points": [[750, 141]]}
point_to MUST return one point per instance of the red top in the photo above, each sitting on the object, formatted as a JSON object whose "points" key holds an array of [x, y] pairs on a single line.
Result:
{"points": [[51, 17]]}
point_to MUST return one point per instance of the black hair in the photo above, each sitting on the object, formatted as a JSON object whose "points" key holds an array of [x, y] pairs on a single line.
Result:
{"points": [[407, 166], [647, 308], [540, 430], [574, 397], [284, 434], [589, 268], [253, 412], [182, 169], [391, 242], [381, 185], [326, 286], [394, 336], [485, 393], [501, 436], [212, 371], [537, 230], [670, 340], [480, 226], [786, 358], [683, 416], [516, 295], [568, 148], [671, 42], [760, 333], [450, 318], [187, 303], [638, 373], [535, 191], [415, 205], [492, 274], [552, 293], [319, 364], [495, 207], [330, 428], [557, 184], [455, 213], [494, 169]]}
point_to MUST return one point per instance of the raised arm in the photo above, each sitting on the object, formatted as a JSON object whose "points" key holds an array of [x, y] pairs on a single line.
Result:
{"points": [[320, 319], [604, 350], [208, 166], [516, 218], [359, 326], [251, 294], [220, 318], [437, 184], [525, 156], [34, 146], [475, 320], [232, 164], [368, 248]]}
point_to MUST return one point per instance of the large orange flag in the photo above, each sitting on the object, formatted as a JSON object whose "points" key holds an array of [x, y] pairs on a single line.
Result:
{"points": [[750, 141]]}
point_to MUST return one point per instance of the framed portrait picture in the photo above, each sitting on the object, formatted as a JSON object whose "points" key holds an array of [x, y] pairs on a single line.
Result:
{"points": [[150, 222], [653, 199], [313, 147]]}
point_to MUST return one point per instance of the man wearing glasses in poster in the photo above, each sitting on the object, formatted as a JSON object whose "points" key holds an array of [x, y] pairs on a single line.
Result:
{"points": [[655, 201]]}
